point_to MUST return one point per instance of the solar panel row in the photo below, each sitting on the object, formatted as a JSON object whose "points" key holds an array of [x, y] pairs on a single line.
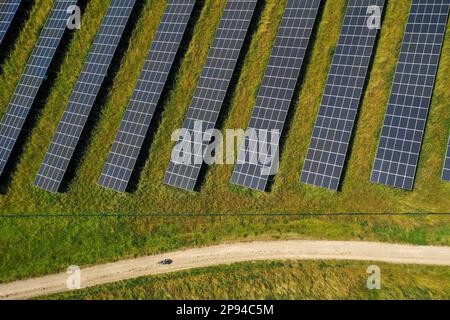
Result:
{"points": [[138, 116], [446, 172], [32, 78], [8, 9], [407, 112], [333, 129], [403, 128], [70, 127], [210, 92], [255, 164]]}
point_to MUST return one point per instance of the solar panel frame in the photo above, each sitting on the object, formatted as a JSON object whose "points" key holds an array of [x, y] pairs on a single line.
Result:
{"points": [[407, 112], [446, 170], [333, 129], [40, 60], [73, 121], [254, 166], [8, 9], [211, 90], [147, 93]]}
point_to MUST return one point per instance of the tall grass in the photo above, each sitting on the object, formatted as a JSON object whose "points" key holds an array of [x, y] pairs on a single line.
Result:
{"points": [[281, 280], [37, 246]]}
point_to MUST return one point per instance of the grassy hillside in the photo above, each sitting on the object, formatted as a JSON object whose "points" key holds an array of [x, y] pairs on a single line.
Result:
{"points": [[280, 280], [287, 196]]}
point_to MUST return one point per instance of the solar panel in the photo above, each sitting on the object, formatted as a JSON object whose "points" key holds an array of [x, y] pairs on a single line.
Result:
{"points": [[446, 172], [8, 9], [32, 78], [138, 116], [211, 91], [334, 125], [70, 127], [275, 94], [404, 124]]}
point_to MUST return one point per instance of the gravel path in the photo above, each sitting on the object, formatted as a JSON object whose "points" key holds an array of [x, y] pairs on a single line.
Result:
{"points": [[230, 253]]}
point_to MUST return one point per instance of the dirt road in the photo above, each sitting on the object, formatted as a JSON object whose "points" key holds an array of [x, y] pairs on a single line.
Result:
{"points": [[230, 253]]}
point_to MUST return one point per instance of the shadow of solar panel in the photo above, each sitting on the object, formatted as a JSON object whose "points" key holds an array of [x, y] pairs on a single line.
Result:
{"points": [[404, 124], [446, 172], [255, 163], [8, 9], [138, 116], [75, 116], [210, 92], [32, 78], [335, 122]]}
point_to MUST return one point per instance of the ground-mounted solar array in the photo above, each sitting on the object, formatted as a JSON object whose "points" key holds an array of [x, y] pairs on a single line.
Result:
{"points": [[335, 122], [115, 109], [8, 9], [211, 90], [406, 117], [135, 124], [35, 72], [73, 121], [255, 164], [446, 171], [92, 224]]}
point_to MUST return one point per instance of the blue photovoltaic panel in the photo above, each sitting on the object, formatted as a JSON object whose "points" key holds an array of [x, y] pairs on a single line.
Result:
{"points": [[211, 91], [275, 94], [138, 116], [446, 172], [335, 122], [70, 127], [32, 78], [404, 124], [8, 9]]}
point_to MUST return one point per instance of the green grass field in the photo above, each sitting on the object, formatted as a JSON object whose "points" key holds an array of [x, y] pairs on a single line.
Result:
{"points": [[288, 195], [38, 246], [280, 280], [45, 244]]}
